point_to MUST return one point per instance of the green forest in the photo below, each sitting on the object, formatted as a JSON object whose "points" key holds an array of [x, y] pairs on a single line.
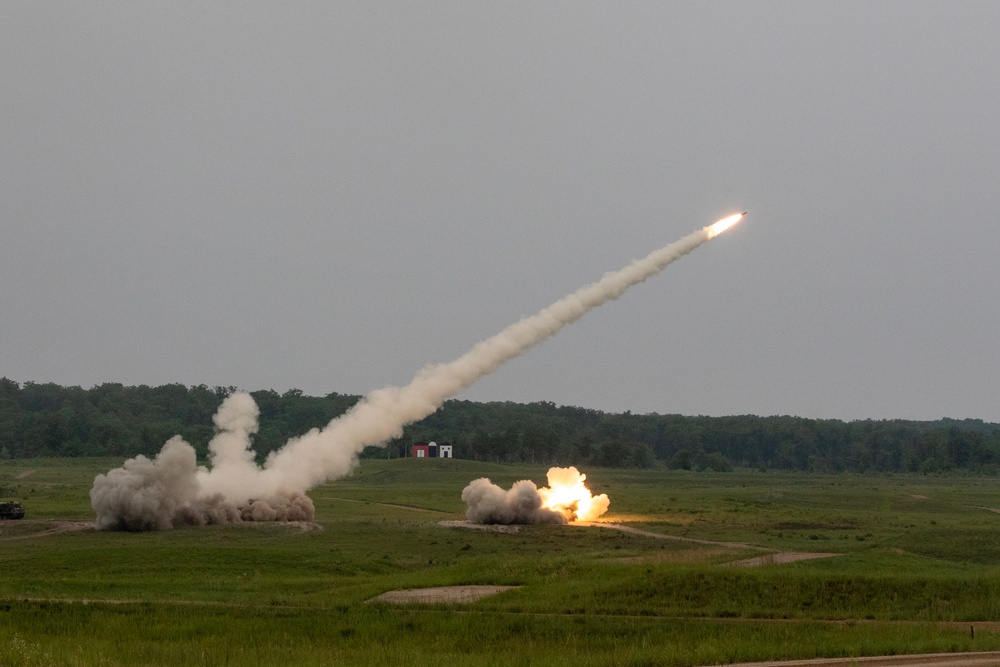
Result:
{"points": [[39, 420]]}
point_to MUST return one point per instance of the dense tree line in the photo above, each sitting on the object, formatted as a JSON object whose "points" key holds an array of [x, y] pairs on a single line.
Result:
{"points": [[115, 420]]}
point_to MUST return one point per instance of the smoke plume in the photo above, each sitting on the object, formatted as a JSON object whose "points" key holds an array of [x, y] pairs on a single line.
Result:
{"points": [[488, 503], [171, 491], [564, 499], [158, 494]]}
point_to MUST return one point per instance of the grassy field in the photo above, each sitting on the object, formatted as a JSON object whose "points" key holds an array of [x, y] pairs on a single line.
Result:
{"points": [[917, 572]]}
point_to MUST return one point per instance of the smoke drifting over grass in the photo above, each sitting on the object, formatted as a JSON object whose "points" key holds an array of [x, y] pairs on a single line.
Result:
{"points": [[157, 494], [171, 490], [488, 503]]}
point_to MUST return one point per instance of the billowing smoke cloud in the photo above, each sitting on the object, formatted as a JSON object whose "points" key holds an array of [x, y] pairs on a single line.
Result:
{"points": [[147, 494], [171, 490], [158, 494], [488, 503], [564, 499]]}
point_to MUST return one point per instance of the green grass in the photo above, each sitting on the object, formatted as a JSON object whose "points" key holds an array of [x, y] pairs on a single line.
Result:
{"points": [[914, 573], [157, 634]]}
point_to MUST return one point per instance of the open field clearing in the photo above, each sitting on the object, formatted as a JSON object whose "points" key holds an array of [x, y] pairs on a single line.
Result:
{"points": [[915, 572]]}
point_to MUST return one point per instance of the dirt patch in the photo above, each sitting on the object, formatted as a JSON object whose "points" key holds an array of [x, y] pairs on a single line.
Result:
{"points": [[462, 594], [779, 558], [491, 527], [26, 473]]}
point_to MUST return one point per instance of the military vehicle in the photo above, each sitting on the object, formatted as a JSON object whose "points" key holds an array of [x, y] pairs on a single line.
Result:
{"points": [[11, 510]]}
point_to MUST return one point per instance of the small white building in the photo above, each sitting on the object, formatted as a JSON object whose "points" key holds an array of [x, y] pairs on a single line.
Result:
{"points": [[430, 450]]}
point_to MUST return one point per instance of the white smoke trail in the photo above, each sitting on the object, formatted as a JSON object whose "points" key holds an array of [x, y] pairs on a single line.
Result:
{"points": [[321, 455], [325, 454], [233, 460]]}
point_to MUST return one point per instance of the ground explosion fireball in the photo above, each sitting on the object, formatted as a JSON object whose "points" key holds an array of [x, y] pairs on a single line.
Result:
{"points": [[172, 490], [564, 500]]}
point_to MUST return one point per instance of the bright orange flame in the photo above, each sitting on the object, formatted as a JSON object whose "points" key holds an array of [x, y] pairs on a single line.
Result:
{"points": [[567, 495], [717, 228]]}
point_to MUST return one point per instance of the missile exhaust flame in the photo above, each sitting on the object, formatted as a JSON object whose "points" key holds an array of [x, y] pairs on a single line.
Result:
{"points": [[717, 228], [171, 490]]}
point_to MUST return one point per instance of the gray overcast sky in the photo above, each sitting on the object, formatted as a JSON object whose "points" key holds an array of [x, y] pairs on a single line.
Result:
{"points": [[329, 196]]}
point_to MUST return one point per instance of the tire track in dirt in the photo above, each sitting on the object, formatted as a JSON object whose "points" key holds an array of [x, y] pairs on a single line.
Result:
{"points": [[57, 528], [775, 558], [393, 505], [664, 536]]}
